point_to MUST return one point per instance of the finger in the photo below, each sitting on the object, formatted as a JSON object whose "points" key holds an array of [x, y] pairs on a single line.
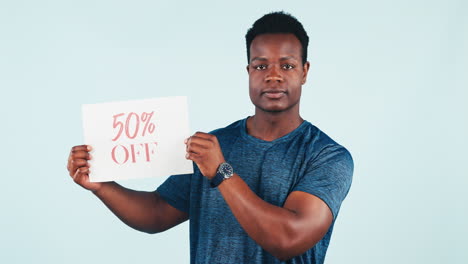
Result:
{"points": [[196, 148], [69, 162], [82, 147], [77, 163], [192, 156], [200, 141], [204, 135], [208, 137], [79, 154], [79, 173]]}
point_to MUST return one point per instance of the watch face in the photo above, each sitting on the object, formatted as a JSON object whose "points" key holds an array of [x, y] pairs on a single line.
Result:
{"points": [[226, 170]]}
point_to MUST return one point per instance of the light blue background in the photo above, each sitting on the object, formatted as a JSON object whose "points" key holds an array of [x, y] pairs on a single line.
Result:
{"points": [[388, 80]]}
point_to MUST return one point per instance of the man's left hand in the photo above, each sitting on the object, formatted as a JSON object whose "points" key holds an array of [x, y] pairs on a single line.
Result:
{"points": [[204, 150]]}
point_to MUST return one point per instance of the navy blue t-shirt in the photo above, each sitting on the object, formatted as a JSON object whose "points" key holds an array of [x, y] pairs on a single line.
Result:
{"points": [[304, 160]]}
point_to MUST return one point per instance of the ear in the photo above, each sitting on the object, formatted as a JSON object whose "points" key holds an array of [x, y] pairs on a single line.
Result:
{"points": [[247, 68], [305, 70]]}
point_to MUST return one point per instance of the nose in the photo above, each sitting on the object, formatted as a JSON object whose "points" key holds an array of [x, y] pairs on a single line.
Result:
{"points": [[273, 75]]}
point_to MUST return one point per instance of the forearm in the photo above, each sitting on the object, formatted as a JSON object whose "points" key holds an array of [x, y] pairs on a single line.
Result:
{"points": [[277, 230], [143, 211]]}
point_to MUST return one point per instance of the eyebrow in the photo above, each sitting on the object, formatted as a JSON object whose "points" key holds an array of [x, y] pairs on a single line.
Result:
{"points": [[288, 58], [258, 59], [281, 59]]}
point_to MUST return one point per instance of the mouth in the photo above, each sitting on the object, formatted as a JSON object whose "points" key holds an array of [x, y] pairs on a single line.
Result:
{"points": [[274, 94]]}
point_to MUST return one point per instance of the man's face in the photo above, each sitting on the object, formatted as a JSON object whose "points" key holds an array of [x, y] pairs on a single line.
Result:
{"points": [[276, 72]]}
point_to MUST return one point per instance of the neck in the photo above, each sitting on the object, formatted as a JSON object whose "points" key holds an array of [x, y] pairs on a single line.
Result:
{"points": [[269, 126]]}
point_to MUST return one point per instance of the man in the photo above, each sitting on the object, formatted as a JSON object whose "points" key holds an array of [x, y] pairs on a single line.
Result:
{"points": [[265, 189]]}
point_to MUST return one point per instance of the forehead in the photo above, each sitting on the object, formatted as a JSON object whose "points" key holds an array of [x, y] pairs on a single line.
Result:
{"points": [[268, 45]]}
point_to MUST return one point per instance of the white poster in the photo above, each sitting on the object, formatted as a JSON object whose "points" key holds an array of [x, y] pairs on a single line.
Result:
{"points": [[137, 139]]}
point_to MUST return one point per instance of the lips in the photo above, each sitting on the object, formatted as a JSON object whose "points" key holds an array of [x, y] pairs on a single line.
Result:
{"points": [[274, 94]]}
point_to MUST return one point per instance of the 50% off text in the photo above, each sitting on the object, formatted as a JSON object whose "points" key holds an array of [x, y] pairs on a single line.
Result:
{"points": [[132, 126]]}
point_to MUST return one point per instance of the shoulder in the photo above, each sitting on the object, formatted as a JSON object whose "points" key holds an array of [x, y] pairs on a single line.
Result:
{"points": [[235, 126], [320, 146], [328, 169], [229, 132]]}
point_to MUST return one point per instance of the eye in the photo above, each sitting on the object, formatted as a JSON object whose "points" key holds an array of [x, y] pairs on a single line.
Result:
{"points": [[288, 66], [260, 67]]}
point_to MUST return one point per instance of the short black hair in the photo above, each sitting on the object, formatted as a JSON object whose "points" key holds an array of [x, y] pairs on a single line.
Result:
{"points": [[278, 22]]}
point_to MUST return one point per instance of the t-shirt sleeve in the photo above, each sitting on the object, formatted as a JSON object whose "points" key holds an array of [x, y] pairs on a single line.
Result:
{"points": [[176, 191], [328, 176]]}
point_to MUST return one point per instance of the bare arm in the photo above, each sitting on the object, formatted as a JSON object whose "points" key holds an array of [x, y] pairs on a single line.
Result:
{"points": [[144, 211], [285, 231]]}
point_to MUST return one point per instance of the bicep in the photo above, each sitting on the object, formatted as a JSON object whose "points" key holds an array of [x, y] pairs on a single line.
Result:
{"points": [[313, 217], [167, 215]]}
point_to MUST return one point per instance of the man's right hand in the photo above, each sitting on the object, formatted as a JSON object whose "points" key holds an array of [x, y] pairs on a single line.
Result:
{"points": [[78, 167], [144, 211]]}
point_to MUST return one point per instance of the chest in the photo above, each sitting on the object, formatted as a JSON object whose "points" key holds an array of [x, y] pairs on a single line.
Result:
{"points": [[270, 171]]}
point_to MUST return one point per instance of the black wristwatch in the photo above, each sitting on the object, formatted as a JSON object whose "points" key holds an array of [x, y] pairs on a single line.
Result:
{"points": [[224, 172]]}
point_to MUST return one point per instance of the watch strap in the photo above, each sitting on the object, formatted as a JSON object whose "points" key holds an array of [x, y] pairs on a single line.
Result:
{"points": [[216, 180]]}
